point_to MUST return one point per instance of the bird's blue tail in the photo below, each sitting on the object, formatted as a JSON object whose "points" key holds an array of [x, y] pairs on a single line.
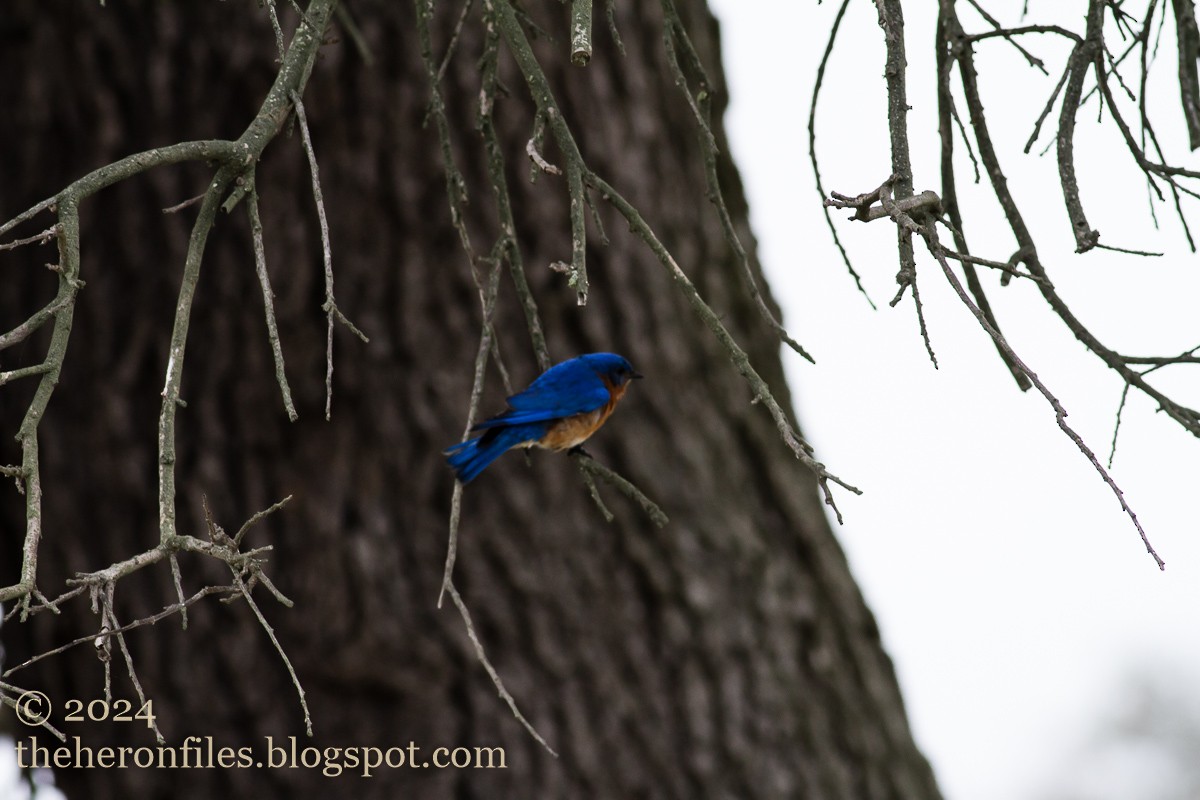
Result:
{"points": [[472, 457]]}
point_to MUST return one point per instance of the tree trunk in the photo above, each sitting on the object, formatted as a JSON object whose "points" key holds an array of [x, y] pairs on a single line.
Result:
{"points": [[728, 654]]}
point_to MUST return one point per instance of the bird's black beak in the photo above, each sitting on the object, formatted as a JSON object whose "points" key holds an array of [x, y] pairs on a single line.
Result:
{"points": [[636, 375]]}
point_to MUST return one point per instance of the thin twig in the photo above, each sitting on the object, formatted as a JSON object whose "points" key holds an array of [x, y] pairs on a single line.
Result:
{"points": [[191, 201], [264, 281], [611, 13], [453, 45], [330, 306], [481, 655], [177, 578], [40, 238], [274, 15], [594, 491], [700, 105], [7, 689], [1112, 452], [1009, 35], [1060, 413], [456, 186], [350, 26], [109, 619], [24, 372], [258, 515], [590, 466], [1128, 251], [761, 392], [906, 278], [488, 300], [266, 626], [508, 247], [818, 83]]}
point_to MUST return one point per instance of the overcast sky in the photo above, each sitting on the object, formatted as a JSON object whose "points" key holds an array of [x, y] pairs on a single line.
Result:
{"points": [[1013, 593]]}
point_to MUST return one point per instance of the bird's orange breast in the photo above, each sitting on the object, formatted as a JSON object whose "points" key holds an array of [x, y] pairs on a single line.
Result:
{"points": [[573, 431]]}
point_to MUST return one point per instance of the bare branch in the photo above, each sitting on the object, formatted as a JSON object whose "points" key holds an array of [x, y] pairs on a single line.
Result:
{"points": [[1060, 413], [264, 280], [39, 238], [27, 435], [481, 655], [102, 178], [700, 105], [955, 47], [1086, 54], [171, 610], [330, 307], [590, 466], [257, 517], [947, 111], [488, 300], [761, 392], [581, 33], [266, 626], [109, 623], [1188, 36]]}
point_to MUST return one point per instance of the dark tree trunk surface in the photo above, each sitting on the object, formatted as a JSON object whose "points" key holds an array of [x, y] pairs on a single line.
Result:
{"points": [[727, 655]]}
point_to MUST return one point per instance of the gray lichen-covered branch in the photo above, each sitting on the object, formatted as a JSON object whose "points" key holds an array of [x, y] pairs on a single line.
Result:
{"points": [[1090, 60], [235, 162]]}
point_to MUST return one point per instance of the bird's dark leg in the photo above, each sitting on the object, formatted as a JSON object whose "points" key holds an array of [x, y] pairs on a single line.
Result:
{"points": [[578, 450]]}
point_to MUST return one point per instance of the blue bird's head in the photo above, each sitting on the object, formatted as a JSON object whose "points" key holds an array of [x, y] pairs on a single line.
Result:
{"points": [[613, 368]]}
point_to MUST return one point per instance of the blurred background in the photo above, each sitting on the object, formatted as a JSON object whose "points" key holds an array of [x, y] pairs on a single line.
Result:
{"points": [[1041, 652]]}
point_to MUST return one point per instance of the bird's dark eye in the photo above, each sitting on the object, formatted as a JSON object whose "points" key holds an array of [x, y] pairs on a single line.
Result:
{"points": [[620, 375]]}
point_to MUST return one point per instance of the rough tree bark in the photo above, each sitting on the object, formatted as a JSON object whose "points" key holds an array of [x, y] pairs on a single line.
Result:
{"points": [[729, 654]]}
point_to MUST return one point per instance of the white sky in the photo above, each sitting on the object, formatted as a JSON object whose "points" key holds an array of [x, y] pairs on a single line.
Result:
{"points": [[1013, 593]]}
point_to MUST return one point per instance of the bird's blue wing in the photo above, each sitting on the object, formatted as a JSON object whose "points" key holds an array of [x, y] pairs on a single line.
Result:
{"points": [[566, 389], [473, 456]]}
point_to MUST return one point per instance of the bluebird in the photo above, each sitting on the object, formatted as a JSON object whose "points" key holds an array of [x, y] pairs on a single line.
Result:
{"points": [[559, 411]]}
